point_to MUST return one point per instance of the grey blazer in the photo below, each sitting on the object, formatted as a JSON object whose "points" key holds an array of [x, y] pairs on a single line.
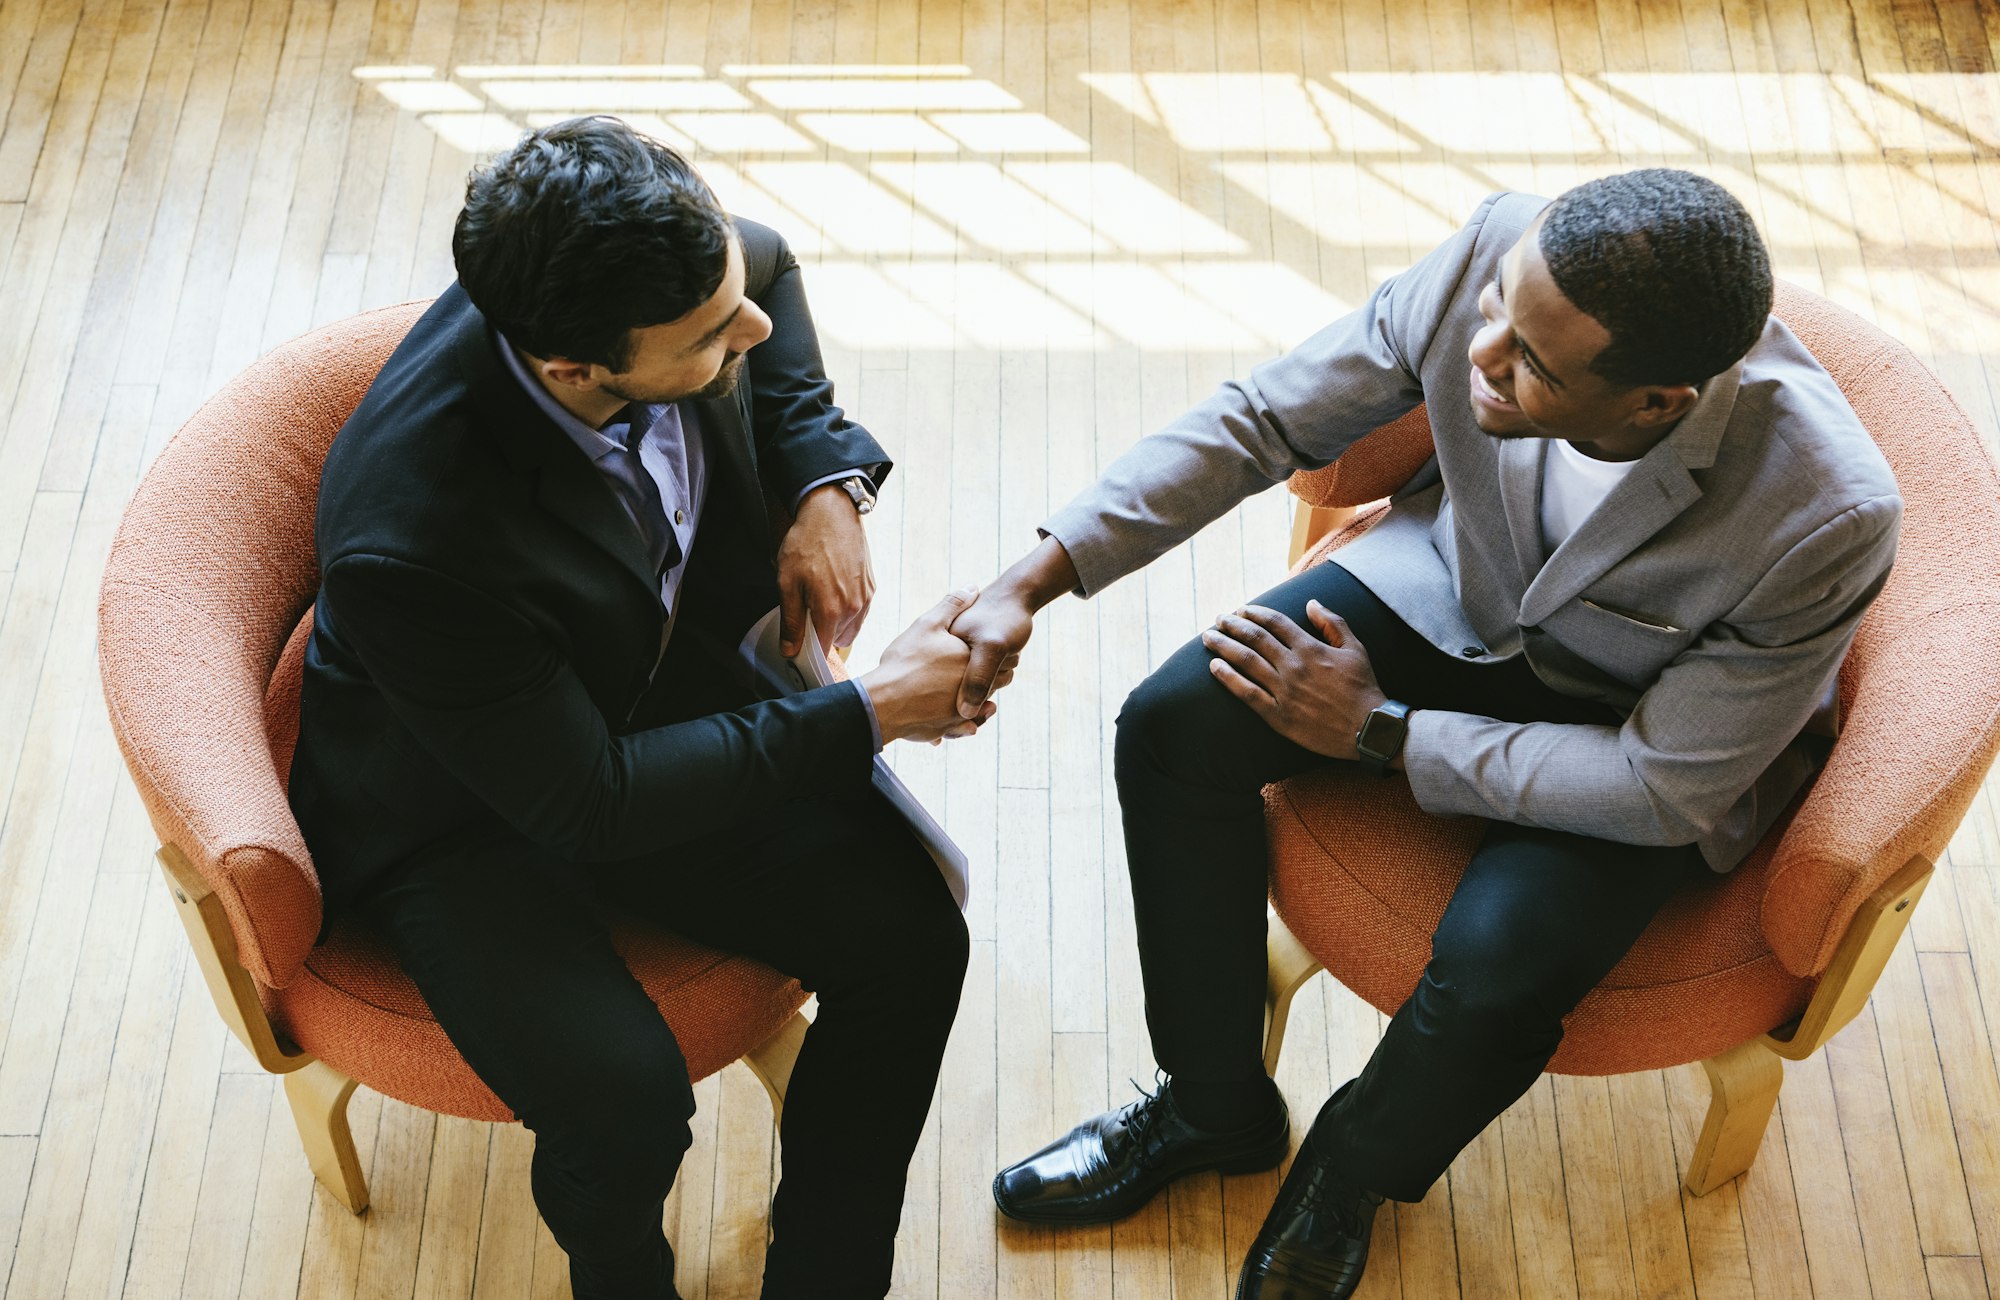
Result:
{"points": [[1709, 600]]}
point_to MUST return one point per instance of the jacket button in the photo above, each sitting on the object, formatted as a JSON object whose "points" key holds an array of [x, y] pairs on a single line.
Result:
{"points": [[1472, 652]]}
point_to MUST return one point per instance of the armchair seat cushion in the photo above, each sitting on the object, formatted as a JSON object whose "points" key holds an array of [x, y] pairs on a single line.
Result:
{"points": [[1361, 876], [355, 1009]]}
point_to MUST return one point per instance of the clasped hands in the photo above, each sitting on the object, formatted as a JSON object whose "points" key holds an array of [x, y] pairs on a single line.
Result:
{"points": [[1315, 690], [937, 678]]}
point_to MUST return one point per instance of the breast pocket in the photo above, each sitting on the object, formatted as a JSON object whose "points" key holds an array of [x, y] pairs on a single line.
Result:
{"points": [[1632, 645]]}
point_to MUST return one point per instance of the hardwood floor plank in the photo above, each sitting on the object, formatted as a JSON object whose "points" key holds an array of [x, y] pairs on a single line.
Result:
{"points": [[449, 1245], [36, 89], [280, 1217], [504, 1268], [127, 1121], [32, 426], [1938, 1192], [220, 1236], [68, 1125], [1953, 1277], [17, 1168], [1965, 1049], [1599, 1228], [1828, 1219], [1875, 1158], [1545, 1262], [107, 308]]}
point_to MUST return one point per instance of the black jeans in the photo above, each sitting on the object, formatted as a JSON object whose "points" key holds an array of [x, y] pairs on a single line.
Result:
{"points": [[1538, 919], [511, 950]]}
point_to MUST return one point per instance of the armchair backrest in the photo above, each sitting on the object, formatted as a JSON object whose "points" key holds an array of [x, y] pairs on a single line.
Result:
{"points": [[1919, 692], [211, 570]]}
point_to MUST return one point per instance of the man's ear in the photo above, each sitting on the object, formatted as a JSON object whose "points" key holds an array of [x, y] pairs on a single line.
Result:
{"points": [[1662, 404], [572, 374]]}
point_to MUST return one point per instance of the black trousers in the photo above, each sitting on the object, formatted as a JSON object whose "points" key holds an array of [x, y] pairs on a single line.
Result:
{"points": [[1538, 919], [512, 952]]}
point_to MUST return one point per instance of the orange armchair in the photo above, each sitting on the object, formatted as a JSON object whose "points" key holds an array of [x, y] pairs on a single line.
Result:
{"points": [[1776, 957], [202, 624]]}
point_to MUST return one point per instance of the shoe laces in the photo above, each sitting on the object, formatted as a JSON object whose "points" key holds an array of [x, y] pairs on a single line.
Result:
{"points": [[1145, 1114], [1324, 1195]]}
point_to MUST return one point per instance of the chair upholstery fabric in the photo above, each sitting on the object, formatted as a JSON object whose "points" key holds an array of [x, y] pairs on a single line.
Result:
{"points": [[1362, 883], [203, 619]]}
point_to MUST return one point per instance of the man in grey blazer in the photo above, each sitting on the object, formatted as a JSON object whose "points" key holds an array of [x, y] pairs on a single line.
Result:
{"points": [[1601, 617]]}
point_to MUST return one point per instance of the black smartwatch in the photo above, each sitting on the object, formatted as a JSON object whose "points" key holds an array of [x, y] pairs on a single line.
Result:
{"points": [[1381, 736]]}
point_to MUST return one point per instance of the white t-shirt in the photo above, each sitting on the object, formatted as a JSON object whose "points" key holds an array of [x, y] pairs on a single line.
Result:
{"points": [[1573, 485]]}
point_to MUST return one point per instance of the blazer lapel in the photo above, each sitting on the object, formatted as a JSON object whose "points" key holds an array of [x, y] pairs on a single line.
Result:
{"points": [[570, 488], [725, 433], [566, 484], [1521, 500], [1647, 500], [1657, 490]]}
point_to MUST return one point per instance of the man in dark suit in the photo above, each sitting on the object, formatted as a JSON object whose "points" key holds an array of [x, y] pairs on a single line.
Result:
{"points": [[591, 465]]}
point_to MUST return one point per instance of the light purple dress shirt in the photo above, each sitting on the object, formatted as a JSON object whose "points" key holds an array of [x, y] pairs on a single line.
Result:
{"points": [[672, 454]]}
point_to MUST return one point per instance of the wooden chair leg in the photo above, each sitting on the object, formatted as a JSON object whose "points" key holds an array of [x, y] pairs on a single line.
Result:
{"points": [[318, 1094], [773, 1061], [1287, 966], [1743, 1085]]}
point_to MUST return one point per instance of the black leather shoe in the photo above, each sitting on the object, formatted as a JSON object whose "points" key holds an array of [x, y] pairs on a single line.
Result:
{"points": [[1314, 1242], [1107, 1167]]}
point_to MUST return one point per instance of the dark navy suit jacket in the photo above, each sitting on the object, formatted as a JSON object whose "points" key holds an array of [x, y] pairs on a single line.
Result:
{"points": [[490, 658]]}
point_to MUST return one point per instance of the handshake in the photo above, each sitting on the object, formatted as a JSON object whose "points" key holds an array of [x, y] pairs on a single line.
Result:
{"points": [[936, 679]]}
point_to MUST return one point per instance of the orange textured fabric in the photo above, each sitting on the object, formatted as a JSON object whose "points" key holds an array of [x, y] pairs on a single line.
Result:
{"points": [[1372, 468], [355, 1009], [202, 623], [210, 570], [1361, 875]]}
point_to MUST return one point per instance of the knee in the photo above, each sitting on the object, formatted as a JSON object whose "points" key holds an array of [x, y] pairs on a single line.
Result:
{"points": [[621, 1115], [1167, 725], [934, 946], [904, 941], [1498, 985]]}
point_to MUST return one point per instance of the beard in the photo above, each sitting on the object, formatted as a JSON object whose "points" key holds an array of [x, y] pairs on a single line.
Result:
{"points": [[725, 379], [722, 385]]}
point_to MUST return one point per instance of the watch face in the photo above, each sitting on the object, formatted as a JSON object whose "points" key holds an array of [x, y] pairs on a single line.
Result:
{"points": [[1382, 735]]}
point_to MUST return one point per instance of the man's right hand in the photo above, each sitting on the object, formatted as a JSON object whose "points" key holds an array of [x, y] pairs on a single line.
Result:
{"points": [[915, 687], [998, 624]]}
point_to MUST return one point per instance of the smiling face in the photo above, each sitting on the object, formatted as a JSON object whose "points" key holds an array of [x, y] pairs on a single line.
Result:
{"points": [[1531, 368]]}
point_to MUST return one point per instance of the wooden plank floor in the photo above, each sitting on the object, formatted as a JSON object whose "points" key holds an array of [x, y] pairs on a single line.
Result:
{"points": [[1035, 229]]}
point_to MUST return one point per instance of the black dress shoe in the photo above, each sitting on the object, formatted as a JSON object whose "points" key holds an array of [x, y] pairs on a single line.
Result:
{"points": [[1107, 1167], [1314, 1242]]}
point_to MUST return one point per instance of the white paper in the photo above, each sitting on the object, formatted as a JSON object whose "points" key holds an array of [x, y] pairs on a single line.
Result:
{"points": [[808, 669]]}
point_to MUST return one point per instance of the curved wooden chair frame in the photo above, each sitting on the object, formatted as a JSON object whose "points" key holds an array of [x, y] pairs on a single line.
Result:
{"points": [[318, 1093]]}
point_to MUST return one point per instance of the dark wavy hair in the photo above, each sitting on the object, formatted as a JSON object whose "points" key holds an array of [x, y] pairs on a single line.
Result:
{"points": [[583, 232], [1670, 264]]}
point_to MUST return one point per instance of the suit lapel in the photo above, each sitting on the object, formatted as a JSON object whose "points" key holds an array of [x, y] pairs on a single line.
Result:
{"points": [[571, 489], [1652, 496], [1521, 500], [566, 484], [725, 433], [1645, 501]]}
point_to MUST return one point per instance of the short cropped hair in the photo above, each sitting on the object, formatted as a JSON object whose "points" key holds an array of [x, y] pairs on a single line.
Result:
{"points": [[584, 231], [1670, 264]]}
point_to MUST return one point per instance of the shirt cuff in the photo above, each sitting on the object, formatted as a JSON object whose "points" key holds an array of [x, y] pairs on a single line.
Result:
{"points": [[874, 723], [834, 477]]}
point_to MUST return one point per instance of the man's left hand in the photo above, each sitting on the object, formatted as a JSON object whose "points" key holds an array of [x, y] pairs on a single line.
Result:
{"points": [[1314, 692], [823, 569]]}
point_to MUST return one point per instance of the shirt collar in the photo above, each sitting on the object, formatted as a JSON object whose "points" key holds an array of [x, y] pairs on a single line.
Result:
{"points": [[588, 440]]}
